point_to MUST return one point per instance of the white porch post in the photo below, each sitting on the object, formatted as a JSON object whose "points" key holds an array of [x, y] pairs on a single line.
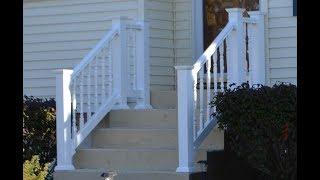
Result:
{"points": [[256, 48], [63, 120], [120, 63], [185, 118], [143, 67], [236, 57]]}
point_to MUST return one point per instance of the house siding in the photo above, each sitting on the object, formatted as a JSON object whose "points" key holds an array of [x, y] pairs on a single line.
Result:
{"points": [[59, 33], [183, 32], [159, 14], [282, 40]]}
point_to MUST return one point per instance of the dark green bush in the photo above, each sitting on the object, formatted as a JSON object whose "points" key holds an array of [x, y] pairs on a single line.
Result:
{"points": [[39, 128], [260, 124]]}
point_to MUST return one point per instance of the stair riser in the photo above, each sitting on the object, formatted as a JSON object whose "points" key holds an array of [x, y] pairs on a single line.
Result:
{"points": [[143, 119], [76, 175], [144, 138], [130, 160], [137, 138], [151, 176]]}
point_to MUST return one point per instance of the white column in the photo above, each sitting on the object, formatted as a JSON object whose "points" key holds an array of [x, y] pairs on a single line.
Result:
{"points": [[120, 63], [236, 58], [257, 53], [186, 108], [143, 67], [63, 120]]}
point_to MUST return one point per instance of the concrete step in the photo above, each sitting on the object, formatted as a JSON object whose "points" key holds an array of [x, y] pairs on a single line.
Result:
{"points": [[95, 174], [130, 159], [149, 138], [134, 138], [150, 118], [78, 174], [163, 99]]}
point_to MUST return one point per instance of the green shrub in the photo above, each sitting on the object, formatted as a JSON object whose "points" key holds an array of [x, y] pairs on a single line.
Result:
{"points": [[39, 128], [32, 170], [260, 126]]}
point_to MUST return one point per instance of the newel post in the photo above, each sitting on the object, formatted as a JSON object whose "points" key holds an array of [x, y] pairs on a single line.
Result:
{"points": [[236, 57], [185, 89], [256, 48], [120, 63], [143, 67], [63, 120]]}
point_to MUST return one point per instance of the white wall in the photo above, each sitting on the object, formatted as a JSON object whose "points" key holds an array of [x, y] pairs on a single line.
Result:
{"points": [[282, 42]]}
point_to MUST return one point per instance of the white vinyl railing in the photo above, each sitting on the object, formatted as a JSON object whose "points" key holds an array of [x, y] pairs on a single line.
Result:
{"points": [[113, 71], [235, 56]]}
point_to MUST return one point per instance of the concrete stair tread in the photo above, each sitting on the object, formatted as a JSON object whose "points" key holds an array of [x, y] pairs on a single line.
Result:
{"points": [[149, 118], [95, 174]]}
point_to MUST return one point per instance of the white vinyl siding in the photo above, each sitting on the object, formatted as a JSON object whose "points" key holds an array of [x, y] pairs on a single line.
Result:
{"points": [[282, 42], [183, 32], [159, 14], [59, 33]]}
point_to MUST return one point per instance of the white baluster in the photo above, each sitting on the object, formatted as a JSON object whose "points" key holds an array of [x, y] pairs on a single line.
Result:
{"points": [[215, 76], [221, 50], [201, 99], [208, 88], [96, 85], [103, 88], [109, 69], [250, 49], [74, 108], [245, 51], [228, 56], [81, 101], [195, 102], [134, 60], [89, 91]]}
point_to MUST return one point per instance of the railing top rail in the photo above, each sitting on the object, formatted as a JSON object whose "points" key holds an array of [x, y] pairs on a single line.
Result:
{"points": [[90, 56], [213, 46]]}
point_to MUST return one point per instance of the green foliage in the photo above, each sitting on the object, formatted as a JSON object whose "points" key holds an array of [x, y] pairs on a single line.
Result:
{"points": [[32, 170], [39, 128], [260, 126]]}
